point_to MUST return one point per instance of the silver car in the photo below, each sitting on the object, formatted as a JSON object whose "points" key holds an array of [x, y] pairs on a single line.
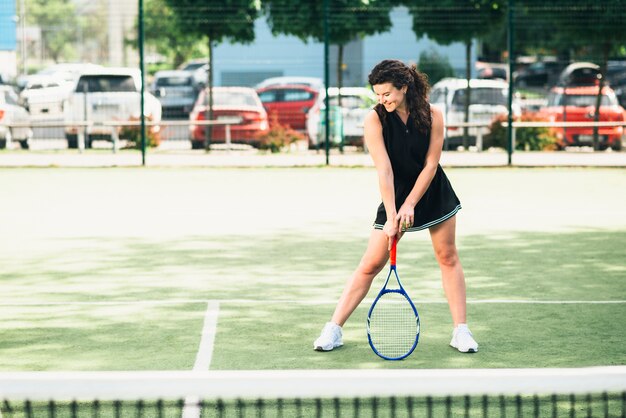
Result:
{"points": [[11, 113], [177, 91]]}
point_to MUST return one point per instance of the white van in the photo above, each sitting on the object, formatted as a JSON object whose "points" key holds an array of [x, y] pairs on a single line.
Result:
{"points": [[488, 99], [106, 95]]}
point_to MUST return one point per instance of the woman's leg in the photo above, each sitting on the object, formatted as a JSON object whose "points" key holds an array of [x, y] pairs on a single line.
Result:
{"points": [[359, 283], [443, 239]]}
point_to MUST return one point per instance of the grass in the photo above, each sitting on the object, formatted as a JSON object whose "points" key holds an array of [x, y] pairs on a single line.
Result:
{"points": [[250, 238], [111, 269]]}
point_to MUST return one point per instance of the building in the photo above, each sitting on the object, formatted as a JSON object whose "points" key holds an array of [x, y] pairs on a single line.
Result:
{"points": [[269, 56], [8, 39]]}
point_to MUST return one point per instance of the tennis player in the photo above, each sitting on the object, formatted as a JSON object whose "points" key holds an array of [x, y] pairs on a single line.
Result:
{"points": [[404, 136]]}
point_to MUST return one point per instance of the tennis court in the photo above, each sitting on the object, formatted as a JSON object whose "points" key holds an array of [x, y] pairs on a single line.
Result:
{"points": [[235, 269]]}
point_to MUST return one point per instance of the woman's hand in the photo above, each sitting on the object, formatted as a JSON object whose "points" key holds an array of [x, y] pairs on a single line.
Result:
{"points": [[405, 216], [391, 231]]}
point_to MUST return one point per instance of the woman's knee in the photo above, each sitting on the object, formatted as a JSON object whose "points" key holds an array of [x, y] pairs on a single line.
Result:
{"points": [[371, 266], [447, 256]]}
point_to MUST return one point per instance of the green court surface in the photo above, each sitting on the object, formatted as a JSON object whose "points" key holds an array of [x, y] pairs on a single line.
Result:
{"points": [[127, 269]]}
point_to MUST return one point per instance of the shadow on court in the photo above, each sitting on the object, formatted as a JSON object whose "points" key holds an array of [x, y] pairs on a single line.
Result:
{"points": [[277, 291]]}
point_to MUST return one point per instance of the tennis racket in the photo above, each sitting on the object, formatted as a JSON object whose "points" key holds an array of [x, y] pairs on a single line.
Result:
{"points": [[393, 325]]}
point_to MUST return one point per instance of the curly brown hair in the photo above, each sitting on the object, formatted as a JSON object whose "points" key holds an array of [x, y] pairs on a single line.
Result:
{"points": [[399, 74]]}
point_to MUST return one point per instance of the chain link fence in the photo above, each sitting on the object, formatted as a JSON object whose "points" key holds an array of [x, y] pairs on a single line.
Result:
{"points": [[292, 77]]}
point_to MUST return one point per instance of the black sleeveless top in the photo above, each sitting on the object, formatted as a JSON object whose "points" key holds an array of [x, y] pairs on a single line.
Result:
{"points": [[407, 150]]}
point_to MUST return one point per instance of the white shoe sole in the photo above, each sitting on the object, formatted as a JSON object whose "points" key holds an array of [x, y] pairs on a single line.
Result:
{"points": [[464, 349], [326, 348]]}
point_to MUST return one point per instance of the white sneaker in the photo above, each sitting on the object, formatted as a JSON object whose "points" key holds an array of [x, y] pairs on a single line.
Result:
{"points": [[329, 338], [463, 340]]}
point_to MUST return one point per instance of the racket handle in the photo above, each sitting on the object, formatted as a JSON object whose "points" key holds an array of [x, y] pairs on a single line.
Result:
{"points": [[392, 253]]}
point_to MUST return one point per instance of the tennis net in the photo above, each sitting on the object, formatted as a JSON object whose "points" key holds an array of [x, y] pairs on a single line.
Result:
{"points": [[580, 392]]}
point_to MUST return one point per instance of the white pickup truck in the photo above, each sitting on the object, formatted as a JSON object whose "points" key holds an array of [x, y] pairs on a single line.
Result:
{"points": [[102, 96]]}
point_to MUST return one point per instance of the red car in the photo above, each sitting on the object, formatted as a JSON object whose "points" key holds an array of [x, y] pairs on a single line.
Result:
{"points": [[230, 102], [288, 104], [577, 104]]}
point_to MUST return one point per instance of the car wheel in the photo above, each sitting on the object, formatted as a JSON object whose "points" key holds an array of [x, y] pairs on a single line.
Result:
{"points": [[617, 146], [24, 144], [6, 140], [72, 141], [197, 145]]}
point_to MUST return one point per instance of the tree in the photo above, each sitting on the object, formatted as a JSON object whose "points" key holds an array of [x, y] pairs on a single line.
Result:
{"points": [[348, 20], [166, 34], [450, 21], [57, 20], [434, 65], [217, 20]]}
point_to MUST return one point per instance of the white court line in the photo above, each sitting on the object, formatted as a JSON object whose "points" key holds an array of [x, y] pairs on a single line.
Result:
{"points": [[164, 302], [204, 355]]}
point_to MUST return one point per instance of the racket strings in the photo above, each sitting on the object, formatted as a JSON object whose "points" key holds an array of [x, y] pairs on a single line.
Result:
{"points": [[393, 325]]}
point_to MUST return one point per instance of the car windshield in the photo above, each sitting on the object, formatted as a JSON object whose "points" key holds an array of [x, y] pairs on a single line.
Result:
{"points": [[437, 96], [175, 81], [481, 96], [9, 97], [193, 66], [580, 100], [106, 83], [285, 95], [233, 98]]}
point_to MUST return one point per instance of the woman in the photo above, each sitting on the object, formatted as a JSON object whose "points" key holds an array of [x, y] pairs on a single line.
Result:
{"points": [[404, 136]]}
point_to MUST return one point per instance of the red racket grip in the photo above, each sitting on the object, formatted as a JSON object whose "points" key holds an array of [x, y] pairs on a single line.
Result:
{"points": [[392, 252]]}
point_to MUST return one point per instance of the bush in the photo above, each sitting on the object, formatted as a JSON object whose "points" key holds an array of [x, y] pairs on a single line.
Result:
{"points": [[279, 136], [132, 134], [526, 139], [435, 66]]}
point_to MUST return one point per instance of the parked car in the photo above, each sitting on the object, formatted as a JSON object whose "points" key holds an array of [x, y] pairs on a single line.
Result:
{"points": [[313, 82], [229, 102], [12, 113], [356, 102], [580, 74], [492, 73], [103, 95], [288, 104], [45, 94], [488, 99], [538, 74], [177, 91], [199, 68], [577, 104]]}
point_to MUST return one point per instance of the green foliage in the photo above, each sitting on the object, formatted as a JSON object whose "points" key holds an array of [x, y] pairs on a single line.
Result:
{"points": [[435, 66], [278, 137], [166, 35], [218, 20], [526, 139], [451, 21], [132, 134], [58, 21], [348, 19]]}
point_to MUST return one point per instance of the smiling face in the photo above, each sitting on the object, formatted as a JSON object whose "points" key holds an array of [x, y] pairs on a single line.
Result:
{"points": [[390, 96]]}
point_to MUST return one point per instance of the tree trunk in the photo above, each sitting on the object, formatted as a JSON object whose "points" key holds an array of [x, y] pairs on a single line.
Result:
{"points": [[209, 109], [596, 113], [468, 92]]}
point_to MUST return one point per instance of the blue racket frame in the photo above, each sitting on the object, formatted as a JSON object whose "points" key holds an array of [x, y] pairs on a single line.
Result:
{"points": [[403, 292]]}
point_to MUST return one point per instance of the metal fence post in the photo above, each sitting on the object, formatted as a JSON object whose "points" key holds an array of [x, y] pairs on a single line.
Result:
{"points": [[510, 40], [143, 80], [227, 134], [115, 137], [81, 139]]}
